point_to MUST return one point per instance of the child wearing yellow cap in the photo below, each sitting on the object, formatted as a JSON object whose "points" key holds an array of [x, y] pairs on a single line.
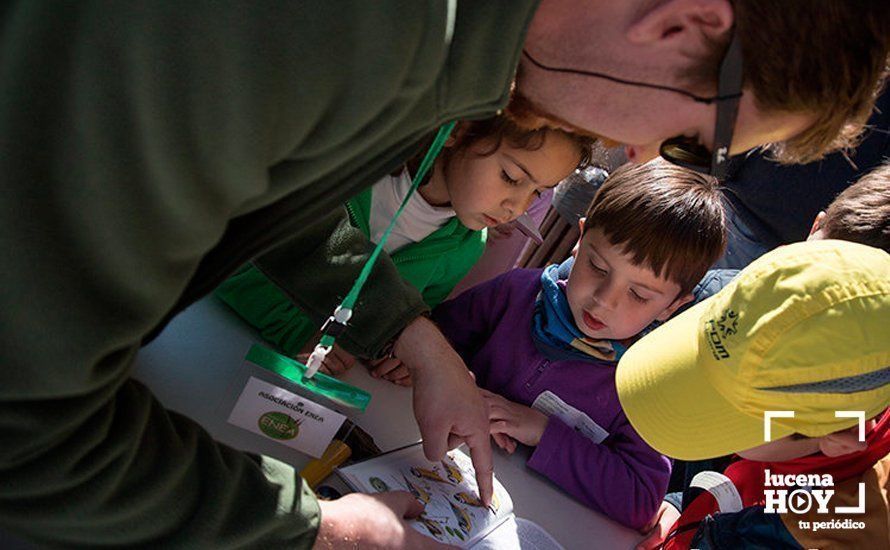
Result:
{"points": [[788, 367]]}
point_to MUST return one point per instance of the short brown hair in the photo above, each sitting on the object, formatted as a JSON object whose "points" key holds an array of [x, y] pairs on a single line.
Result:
{"points": [[665, 217], [861, 213], [826, 57]]}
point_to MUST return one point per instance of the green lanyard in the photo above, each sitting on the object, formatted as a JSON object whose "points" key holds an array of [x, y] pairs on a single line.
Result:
{"points": [[336, 323]]}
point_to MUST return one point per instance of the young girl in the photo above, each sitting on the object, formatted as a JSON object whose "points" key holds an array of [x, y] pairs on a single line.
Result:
{"points": [[489, 172]]}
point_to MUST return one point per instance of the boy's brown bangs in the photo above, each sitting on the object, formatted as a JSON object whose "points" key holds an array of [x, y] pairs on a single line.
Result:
{"points": [[664, 217]]}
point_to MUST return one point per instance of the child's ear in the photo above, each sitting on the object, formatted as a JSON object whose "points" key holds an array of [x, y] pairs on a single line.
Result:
{"points": [[455, 136], [675, 305], [580, 236], [842, 443], [817, 225]]}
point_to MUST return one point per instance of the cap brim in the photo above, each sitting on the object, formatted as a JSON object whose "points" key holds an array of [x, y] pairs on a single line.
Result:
{"points": [[666, 392]]}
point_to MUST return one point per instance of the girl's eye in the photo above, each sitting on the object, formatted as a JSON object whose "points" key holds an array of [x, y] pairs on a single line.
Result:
{"points": [[638, 298], [506, 177]]}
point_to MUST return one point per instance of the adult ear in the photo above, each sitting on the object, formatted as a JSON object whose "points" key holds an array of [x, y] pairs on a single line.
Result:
{"points": [[815, 234], [674, 306], [688, 26]]}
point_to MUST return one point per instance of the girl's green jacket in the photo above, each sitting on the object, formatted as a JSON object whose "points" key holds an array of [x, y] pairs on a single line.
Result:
{"points": [[433, 266]]}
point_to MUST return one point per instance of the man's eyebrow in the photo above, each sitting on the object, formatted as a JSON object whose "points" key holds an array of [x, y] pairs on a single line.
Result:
{"points": [[522, 166]]}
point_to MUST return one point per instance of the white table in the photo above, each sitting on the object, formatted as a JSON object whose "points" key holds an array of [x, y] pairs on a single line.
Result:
{"points": [[201, 353]]}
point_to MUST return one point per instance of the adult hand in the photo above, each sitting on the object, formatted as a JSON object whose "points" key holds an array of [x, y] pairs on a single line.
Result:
{"points": [[658, 528], [519, 422], [371, 521], [391, 369], [447, 405], [505, 442]]}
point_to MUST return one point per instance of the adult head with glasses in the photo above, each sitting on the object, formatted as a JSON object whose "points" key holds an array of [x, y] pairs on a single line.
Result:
{"points": [[700, 80]]}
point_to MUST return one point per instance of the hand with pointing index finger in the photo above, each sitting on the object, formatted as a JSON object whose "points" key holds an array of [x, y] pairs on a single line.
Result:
{"points": [[447, 404]]}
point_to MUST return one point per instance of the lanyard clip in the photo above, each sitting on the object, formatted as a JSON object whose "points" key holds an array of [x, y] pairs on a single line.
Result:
{"points": [[336, 323], [315, 360], [332, 328]]}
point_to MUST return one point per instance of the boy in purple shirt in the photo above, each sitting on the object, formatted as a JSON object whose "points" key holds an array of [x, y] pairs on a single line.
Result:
{"points": [[543, 344]]}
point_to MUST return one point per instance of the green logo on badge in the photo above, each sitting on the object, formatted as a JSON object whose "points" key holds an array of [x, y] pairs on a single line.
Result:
{"points": [[278, 425]]}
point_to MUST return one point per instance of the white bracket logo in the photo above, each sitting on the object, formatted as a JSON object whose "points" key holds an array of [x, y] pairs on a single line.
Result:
{"points": [[769, 415], [800, 501], [768, 422]]}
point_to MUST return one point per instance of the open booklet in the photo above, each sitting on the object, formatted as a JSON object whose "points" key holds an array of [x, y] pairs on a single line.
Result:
{"points": [[453, 513]]}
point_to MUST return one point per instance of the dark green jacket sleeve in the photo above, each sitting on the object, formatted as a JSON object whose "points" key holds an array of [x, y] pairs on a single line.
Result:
{"points": [[433, 267], [318, 263], [131, 134], [308, 275]]}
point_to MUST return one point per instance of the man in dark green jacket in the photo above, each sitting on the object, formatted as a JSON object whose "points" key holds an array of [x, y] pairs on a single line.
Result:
{"points": [[150, 149]]}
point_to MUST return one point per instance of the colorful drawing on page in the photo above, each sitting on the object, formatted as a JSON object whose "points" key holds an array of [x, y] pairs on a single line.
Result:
{"points": [[378, 484], [453, 512], [417, 491], [434, 527], [470, 500], [425, 473], [463, 518], [453, 472], [455, 533]]}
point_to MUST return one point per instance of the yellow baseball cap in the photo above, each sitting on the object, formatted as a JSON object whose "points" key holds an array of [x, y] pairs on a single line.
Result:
{"points": [[804, 328]]}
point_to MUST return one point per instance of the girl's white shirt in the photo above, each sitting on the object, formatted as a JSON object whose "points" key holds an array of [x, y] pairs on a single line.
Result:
{"points": [[418, 220]]}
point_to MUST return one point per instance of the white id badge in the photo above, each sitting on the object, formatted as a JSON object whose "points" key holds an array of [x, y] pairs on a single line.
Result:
{"points": [[548, 403]]}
